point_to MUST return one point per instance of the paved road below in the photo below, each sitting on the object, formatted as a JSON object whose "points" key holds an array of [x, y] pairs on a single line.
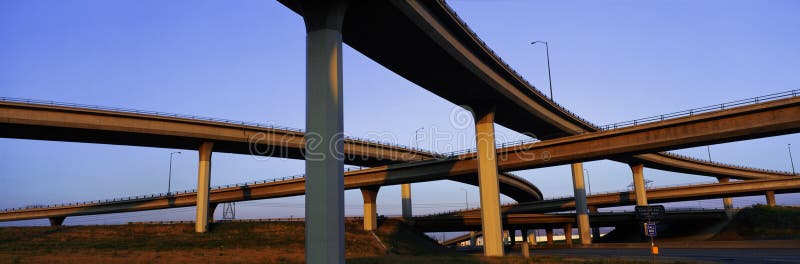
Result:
{"points": [[714, 255]]}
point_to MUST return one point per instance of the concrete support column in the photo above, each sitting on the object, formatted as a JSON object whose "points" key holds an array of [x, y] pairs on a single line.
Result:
{"points": [[727, 202], [405, 190], [57, 221], [526, 251], [581, 209], [324, 139], [473, 240], [370, 208], [549, 232], [524, 236], [595, 229], [203, 185], [770, 198], [488, 182], [212, 207], [568, 234], [638, 184], [532, 237]]}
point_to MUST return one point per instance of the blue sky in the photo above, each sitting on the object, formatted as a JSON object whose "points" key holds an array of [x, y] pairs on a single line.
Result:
{"points": [[244, 60]]}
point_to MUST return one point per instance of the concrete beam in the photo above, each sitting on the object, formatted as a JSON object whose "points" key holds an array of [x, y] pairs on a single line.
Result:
{"points": [[324, 142], [405, 192], [203, 185], [370, 196], [489, 186], [581, 209], [639, 186]]}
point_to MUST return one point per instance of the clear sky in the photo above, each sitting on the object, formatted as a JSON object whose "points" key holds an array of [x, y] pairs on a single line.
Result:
{"points": [[244, 60]]}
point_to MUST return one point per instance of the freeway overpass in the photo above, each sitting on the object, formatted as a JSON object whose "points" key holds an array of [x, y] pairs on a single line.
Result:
{"points": [[55, 121], [458, 67], [767, 187], [559, 220], [511, 185]]}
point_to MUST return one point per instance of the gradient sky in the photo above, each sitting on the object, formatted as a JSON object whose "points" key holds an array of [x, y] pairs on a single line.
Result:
{"points": [[244, 60]]}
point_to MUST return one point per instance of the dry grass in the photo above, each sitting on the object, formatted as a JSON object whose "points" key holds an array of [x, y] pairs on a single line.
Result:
{"points": [[264, 242]]}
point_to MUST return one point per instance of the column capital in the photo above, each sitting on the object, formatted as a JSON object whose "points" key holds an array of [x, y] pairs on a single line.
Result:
{"points": [[323, 14]]}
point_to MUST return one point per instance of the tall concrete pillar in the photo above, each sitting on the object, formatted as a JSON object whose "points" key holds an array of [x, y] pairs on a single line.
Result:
{"points": [[549, 232], [324, 145], [595, 229], [568, 234], [473, 240], [203, 185], [770, 195], [488, 182], [638, 184], [524, 235], [212, 207], [57, 221], [405, 190], [727, 202], [581, 209], [532, 237], [370, 208]]}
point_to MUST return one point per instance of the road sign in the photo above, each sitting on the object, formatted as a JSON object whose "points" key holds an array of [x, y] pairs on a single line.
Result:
{"points": [[650, 229], [649, 212]]}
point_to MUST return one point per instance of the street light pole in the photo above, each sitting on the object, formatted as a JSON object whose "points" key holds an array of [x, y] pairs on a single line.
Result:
{"points": [[709, 152], [416, 136], [791, 160], [588, 180], [169, 182], [466, 201], [549, 77]]}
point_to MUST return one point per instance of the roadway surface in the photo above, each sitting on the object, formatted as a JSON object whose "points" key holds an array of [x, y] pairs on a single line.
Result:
{"points": [[760, 255]]}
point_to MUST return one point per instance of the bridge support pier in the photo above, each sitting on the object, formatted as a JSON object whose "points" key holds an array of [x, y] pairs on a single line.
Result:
{"points": [[727, 202], [532, 237], [524, 234], [638, 184], [473, 240], [370, 208], [581, 209], [57, 221], [568, 235], [491, 222], [770, 195], [203, 185], [324, 156], [212, 207], [549, 232], [595, 230], [405, 192]]}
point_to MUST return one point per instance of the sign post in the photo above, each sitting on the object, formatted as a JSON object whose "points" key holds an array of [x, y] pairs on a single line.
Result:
{"points": [[650, 215]]}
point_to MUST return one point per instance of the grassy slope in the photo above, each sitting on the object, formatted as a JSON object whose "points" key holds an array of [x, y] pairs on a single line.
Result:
{"points": [[763, 222]]}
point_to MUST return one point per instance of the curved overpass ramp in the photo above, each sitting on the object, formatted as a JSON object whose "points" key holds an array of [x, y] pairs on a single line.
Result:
{"points": [[515, 187], [462, 69]]}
